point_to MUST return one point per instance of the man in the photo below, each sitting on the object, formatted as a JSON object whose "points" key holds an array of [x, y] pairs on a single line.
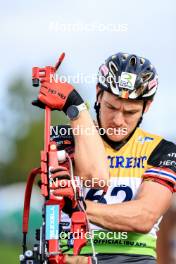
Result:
{"points": [[142, 171]]}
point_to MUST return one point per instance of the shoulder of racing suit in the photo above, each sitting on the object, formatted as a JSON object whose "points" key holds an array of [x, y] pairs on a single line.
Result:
{"points": [[163, 162]]}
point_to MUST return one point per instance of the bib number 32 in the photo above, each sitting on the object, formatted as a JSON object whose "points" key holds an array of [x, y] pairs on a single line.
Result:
{"points": [[127, 194]]}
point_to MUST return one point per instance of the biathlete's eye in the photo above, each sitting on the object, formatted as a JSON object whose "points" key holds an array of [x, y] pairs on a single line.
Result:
{"points": [[130, 112], [110, 107]]}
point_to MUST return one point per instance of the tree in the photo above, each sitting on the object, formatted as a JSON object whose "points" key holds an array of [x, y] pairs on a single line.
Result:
{"points": [[22, 132]]}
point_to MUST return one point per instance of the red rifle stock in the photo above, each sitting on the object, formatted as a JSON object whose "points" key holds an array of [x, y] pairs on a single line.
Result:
{"points": [[49, 159]]}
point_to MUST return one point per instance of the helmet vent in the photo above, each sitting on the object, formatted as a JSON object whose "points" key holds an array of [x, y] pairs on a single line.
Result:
{"points": [[142, 61], [150, 67], [113, 68], [147, 76], [124, 56], [133, 61]]}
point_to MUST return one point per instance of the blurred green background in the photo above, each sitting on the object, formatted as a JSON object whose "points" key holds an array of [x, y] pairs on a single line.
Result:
{"points": [[25, 141]]}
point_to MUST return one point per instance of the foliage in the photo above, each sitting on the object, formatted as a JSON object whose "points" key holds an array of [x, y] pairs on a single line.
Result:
{"points": [[23, 132]]}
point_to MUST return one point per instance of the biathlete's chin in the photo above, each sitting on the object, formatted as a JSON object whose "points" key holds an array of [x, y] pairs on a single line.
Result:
{"points": [[116, 134], [117, 138]]}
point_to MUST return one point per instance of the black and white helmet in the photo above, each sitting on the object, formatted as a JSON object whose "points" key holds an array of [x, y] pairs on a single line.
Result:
{"points": [[128, 76]]}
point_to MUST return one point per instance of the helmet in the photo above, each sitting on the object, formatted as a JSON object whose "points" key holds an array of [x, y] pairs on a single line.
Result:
{"points": [[128, 76]]}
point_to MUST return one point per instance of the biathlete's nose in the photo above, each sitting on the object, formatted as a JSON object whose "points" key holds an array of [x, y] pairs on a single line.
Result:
{"points": [[118, 119]]}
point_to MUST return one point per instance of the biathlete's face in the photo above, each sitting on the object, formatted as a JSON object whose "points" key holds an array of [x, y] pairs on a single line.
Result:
{"points": [[119, 116]]}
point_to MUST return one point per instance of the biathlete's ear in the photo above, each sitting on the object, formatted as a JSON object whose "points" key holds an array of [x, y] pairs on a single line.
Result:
{"points": [[98, 91], [147, 106]]}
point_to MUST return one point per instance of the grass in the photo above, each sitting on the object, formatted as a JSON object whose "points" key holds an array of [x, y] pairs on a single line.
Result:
{"points": [[9, 253]]}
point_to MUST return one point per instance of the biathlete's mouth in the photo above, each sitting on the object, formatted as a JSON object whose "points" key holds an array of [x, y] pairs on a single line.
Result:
{"points": [[116, 131]]}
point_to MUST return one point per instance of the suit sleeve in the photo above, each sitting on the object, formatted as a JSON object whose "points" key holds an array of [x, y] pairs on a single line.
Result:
{"points": [[163, 162]]}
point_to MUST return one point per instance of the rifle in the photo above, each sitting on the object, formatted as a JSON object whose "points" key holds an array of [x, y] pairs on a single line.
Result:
{"points": [[49, 249]]}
